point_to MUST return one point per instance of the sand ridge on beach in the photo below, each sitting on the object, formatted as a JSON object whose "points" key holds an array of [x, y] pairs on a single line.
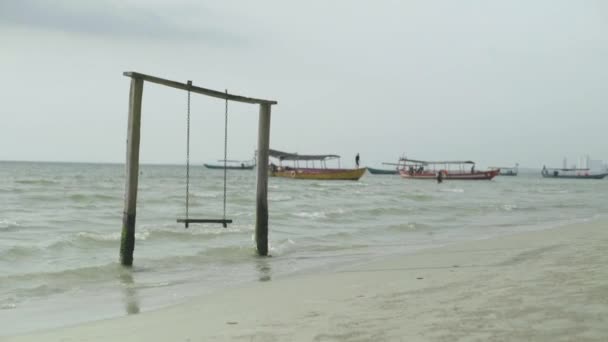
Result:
{"points": [[549, 285]]}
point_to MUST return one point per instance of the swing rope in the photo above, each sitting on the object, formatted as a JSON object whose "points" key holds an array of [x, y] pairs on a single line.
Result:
{"points": [[188, 220], [188, 155], [225, 151]]}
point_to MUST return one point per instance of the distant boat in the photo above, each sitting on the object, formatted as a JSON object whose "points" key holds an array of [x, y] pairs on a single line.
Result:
{"points": [[382, 171], [450, 170], [506, 171], [232, 165], [297, 171], [571, 173]]}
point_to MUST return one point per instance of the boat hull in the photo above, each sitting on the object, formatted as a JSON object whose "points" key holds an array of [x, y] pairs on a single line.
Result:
{"points": [[597, 176], [478, 175], [322, 174], [382, 172], [229, 167]]}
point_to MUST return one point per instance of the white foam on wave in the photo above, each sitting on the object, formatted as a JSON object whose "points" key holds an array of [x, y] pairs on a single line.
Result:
{"points": [[142, 234], [281, 248], [314, 214], [320, 214], [509, 207], [455, 190], [6, 223]]}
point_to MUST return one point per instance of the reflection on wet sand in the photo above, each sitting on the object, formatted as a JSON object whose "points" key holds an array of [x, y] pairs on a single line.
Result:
{"points": [[130, 292], [264, 269]]}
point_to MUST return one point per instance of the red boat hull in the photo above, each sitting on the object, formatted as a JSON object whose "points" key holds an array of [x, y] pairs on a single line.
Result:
{"points": [[477, 175]]}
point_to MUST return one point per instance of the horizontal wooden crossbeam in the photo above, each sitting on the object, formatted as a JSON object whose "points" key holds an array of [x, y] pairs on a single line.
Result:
{"points": [[198, 90]]}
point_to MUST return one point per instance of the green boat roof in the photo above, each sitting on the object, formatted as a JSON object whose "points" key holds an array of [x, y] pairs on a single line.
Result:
{"points": [[425, 162], [294, 156]]}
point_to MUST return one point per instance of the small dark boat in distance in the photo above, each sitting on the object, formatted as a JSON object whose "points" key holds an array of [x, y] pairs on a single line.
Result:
{"points": [[506, 171], [232, 165], [382, 171], [571, 173]]}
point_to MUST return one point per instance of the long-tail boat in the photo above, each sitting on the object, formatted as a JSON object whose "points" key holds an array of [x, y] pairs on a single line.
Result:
{"points": [[310, 167], [506, 171], [450, 170], [571, 173]]}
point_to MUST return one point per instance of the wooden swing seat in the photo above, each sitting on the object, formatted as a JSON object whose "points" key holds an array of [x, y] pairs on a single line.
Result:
{"points": [[187, 221]]}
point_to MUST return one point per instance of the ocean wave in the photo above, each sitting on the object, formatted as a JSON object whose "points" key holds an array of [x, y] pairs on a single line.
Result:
{"points": [[205, 194], [312, 215], [453, 190], [115, 236], [6, 224], [18, 252], [279, 198], [409, 226], [337, 212], [197, 231], [13, 190], [509, 207], [93, 197], [418, 197], [551, 190], [37, 181], [379, 211], [281, 248], [169, 232], [59, 280], [89, 239], [8, 306], [42, 290], [336, 247], [207, 256]]}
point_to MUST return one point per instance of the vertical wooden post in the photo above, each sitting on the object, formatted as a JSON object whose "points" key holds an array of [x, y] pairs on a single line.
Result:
{"points": [[261, 218], [127, 242]]}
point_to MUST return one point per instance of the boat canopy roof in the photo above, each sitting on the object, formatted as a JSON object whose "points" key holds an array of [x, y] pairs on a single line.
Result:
{"points": [[424, 162], [562, 169], [233, 161], [294, 156]]}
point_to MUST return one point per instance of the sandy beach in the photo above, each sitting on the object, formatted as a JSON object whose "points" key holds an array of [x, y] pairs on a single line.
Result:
{"points": [[549, 285]]}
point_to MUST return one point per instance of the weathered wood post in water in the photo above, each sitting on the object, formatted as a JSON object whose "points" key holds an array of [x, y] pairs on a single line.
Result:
{"points": [[261, 216], [127, 242]]}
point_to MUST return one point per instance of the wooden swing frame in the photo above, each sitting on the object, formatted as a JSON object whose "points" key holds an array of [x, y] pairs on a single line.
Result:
{"points": [[127, 243]]}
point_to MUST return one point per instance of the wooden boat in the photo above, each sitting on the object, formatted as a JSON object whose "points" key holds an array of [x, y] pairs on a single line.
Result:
{"points": [[451, 170], [382, 171], [506, 171], [232, 165], [296, 171], [571, 173]]}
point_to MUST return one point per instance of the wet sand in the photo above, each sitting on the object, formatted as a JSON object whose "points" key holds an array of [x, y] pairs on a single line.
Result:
{"points": [[549, 285]]}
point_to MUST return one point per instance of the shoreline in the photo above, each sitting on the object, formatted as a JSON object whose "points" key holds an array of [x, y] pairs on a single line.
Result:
{"points": [[541, 285]]}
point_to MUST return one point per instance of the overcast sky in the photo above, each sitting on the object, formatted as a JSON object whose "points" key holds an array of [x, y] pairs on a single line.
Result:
{"points": [[498, 82]]}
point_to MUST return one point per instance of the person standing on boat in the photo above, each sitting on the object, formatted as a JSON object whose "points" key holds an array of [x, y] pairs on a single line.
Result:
{"points": [[357, 160]]}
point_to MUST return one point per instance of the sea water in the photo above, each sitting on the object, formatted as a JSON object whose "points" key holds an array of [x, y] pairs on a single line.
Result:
{"points": [[60, 226]]}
